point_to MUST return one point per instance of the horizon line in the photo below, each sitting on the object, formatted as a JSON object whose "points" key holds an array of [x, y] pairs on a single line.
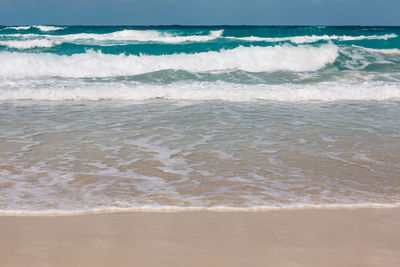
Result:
{"points": [[204, 25]]}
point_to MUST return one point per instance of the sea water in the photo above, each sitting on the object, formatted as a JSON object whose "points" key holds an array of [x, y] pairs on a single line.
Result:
{"points": [[96, 119]]}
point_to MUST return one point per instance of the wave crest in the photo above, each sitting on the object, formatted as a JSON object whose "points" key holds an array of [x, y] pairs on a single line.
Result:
{"points": [[141, 36], [39, 27], [97, 64], [315, 38], [48, 28], [133, 35], [27, 44]]}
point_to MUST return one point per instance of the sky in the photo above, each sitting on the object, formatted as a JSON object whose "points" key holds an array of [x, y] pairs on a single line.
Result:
{"points": [[200, 12]]}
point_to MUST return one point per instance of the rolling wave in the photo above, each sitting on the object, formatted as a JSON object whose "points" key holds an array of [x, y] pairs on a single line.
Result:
{"points": [[48, 28], [97, 64], [116, 38], [18, 28], [314, 38], [39, 27], [137, 35], [27, 44], [125, 35]]}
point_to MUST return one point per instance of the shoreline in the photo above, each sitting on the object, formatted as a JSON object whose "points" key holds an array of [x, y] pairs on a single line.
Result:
{"points": [[217, 209], [298, 237]]}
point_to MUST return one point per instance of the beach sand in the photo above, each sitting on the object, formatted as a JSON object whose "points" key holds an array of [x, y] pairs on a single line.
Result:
{"points": [[304, 237]]}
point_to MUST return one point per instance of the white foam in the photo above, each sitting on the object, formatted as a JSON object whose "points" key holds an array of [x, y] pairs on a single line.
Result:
{"points": [[134, 35], [121, 37], [18, 28], [97, 64], [39, 27], [26, 44], [220, 208], [48, 28], [202, 91], [315, 38]]}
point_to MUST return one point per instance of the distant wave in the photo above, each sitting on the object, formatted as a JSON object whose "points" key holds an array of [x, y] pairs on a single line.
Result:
{"points": [[134, 35], [18, 28], [97, 64], [27, 44], [124, 37], [121, 37], [324, 91], [141, 36], [39, 27], [48, 28], [314, 38]]}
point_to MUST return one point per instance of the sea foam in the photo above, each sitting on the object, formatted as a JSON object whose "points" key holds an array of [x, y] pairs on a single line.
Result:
{"points": [[134, 35], [97, 64], [48, 28], [117, 38], [18, 28], [314, 38], [202, 91], [219, 208], [39, 27], [27, 44]]}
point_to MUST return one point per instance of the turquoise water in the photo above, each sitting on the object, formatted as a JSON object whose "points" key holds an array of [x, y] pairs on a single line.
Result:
{"points": [[259, 60], [222, 117]]}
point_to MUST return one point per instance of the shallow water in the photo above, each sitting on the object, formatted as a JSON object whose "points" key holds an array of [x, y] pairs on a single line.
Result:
{"points": [[197, 117]]}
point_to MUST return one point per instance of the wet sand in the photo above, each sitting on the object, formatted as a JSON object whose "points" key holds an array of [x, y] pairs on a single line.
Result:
{"points": [[308, 237]]}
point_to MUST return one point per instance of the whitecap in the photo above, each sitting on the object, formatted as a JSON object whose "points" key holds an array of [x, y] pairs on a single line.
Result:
{"points": [[314, 38], [97, 64], [27, 44]]}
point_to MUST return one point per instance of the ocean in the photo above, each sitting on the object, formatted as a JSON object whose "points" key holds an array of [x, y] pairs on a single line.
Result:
{"points": [[125, 118]]}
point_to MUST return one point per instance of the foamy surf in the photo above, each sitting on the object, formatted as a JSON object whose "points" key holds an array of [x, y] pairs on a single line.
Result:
{"points": [[126, 36], [28, 44], [120, 119], [97, 64], [314, 38], [39, 27], [204, 91], [136, 35], [18, 28], [48, 28]]}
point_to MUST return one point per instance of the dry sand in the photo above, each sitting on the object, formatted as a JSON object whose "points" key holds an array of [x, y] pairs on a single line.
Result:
{"points": [[308, 237]]}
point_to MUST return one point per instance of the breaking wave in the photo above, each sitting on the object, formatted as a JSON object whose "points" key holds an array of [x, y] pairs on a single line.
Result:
{"points": [[118, 38], [97, 64], [39, 27], [18, 28], [141, 36], [48, 28], [124, 35], [314, 38], [27, 44]]}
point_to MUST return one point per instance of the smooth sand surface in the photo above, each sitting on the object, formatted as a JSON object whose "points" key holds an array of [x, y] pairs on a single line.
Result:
{"points": [[309, 237]]}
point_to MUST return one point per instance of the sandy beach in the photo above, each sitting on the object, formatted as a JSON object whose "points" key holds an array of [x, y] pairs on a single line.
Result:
{"points": [[304, 237]]}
